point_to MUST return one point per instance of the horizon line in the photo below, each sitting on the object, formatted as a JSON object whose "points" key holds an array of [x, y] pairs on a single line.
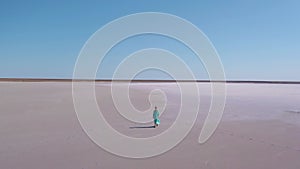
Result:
{"points": [[144, 80]]}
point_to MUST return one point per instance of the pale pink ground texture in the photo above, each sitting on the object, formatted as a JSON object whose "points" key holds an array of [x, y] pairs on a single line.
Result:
{"points": [[260, 128]]}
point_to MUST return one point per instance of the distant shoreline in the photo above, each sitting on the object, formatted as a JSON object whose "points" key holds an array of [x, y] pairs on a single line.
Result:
{"points": [[145, 81]]}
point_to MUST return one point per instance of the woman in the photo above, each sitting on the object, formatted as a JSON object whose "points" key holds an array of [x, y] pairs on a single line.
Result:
{"points": [[155, 117]]}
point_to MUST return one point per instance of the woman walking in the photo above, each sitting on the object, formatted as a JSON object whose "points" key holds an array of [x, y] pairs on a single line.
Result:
{"points": [[155, 117]]}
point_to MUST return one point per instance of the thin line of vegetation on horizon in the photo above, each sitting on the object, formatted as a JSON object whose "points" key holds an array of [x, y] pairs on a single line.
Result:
{"points": [[143, 80]]}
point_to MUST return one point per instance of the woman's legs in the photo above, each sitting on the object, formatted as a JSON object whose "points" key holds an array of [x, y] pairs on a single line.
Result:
{"points": [[155, 123]]}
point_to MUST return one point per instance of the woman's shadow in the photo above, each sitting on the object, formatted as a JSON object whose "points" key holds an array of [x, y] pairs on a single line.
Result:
{"points": [[142, 127]]}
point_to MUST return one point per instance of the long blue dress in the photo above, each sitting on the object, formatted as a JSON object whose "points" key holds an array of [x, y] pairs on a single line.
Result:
{"points": [[155, 117]]}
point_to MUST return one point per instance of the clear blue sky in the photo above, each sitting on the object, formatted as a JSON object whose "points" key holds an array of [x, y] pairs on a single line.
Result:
{"points": [[256, 39]]}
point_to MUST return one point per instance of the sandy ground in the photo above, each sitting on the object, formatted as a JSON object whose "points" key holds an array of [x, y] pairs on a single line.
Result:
{"points": [[260, 128]]}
